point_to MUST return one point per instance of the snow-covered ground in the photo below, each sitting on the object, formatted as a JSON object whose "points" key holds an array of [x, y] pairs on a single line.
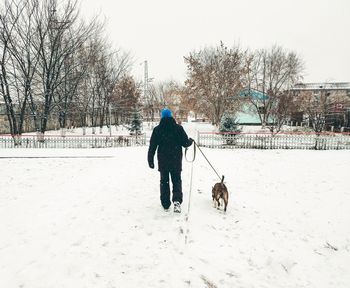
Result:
{"points": [[92, 218], [147, 127]]}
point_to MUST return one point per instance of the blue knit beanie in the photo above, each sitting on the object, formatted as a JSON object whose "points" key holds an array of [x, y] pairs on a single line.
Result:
{"points": [[166, 113]]}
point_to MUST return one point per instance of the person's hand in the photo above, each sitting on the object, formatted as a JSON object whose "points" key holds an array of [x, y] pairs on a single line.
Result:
{"points": [[151, 165], [191, 140]]}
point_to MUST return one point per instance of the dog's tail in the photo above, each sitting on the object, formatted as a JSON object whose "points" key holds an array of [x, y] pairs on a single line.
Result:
{"points": [[222, 179]]}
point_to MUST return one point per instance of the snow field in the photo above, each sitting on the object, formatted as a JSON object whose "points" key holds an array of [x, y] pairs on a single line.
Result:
{"points": [[97, 222]]}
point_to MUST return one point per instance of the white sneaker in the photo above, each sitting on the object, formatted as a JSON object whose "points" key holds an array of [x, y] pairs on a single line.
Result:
{"points": [[177, 207]]}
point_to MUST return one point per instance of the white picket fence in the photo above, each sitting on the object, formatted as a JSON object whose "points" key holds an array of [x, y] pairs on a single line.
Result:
{"points": [[326, 141], [48, 141]]}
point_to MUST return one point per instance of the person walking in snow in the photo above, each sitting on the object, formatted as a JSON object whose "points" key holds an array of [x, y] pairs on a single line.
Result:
{"points": [[169, 138]]}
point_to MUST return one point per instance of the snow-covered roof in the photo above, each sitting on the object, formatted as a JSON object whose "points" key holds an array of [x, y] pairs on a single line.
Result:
{"points": [[322, 86], [255, 94]]}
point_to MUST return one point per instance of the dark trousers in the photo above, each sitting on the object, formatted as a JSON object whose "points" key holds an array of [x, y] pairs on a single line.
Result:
{"points": [[165, 187]]}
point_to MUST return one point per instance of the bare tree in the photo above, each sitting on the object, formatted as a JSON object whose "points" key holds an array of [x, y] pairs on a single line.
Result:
{"points": [[55, 66], [125, 98], [11, 65], [81, 105], [272, 72], [117, 66], [156, 100], [61, 34], [72, 73], [106, 68], [214, 79], [316, 106], [281, 111], [167, 94]]}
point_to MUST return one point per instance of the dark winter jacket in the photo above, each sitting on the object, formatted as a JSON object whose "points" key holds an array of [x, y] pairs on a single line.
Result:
{"points": [[169, 138]]}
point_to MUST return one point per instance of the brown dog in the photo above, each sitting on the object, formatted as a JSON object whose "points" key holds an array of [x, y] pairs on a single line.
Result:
{"points": [[219, 191]]}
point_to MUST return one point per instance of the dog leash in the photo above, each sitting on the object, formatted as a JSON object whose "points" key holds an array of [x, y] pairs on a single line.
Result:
{"points": [[187, 230], [194, 153], [194, 157], [188, 205]]}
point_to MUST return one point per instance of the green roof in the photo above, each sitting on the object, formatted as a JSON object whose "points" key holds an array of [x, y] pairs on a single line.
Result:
{"points": [[254, 94]]}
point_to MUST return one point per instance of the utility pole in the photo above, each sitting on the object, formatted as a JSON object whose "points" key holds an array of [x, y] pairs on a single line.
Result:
{"points": [[147, 102], [145, 83], [109, 116]]}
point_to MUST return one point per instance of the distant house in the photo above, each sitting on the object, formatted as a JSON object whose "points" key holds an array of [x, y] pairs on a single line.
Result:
{"points": [[337, 95], [248, 114]]}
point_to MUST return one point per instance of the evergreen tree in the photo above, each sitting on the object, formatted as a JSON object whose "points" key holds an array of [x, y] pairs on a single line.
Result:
{"points": [[228, 123], [136, 121]]}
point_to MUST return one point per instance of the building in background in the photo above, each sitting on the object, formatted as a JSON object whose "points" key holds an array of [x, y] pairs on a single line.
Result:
{"points": [[247, 114], [330, 99]]}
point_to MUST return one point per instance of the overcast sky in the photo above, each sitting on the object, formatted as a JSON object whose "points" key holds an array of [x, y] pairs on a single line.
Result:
{"points": [[163, 31]]}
